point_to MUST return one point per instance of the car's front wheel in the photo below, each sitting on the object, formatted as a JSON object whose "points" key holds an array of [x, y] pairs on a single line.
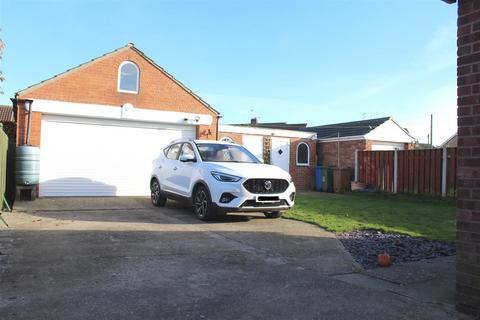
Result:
{"points": [[158, 199], [202, 204], [273, 214]]}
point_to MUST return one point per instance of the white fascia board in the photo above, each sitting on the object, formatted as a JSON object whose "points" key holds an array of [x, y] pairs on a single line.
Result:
{"points": [[351, 138], [266, 132], [89, 110]]}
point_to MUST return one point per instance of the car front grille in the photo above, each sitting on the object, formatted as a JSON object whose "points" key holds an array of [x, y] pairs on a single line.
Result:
{"points": [[266, 186]]}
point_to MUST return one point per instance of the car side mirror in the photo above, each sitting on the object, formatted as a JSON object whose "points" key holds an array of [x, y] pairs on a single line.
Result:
{"points": [[187, 158]]}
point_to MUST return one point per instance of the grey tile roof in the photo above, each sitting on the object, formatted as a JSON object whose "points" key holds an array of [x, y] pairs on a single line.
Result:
{"points": [[6, 114], [275, 125], [347, 129]]}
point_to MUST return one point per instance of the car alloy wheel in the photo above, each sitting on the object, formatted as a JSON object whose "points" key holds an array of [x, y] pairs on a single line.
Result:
{"points": [[158, 199], [202, 204]]}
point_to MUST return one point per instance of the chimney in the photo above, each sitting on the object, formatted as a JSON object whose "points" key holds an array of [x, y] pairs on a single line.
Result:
{"points": [[253, 121]]}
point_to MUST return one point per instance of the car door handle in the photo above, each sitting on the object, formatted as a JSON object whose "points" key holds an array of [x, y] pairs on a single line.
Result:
{"points": [[174, 168]]}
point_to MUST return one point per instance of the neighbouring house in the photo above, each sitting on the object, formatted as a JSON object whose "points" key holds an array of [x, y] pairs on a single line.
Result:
{"points": [[7, 119], [337, 142], [450, 142], [332, 145], [293, 150], [99, 125]]}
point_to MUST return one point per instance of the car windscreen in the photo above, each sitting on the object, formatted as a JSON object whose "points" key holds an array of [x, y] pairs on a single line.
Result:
{"points": [[216, 152]]}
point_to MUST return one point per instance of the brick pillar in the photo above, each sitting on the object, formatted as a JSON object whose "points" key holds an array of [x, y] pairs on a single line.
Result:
{"points": [[468, 204]]}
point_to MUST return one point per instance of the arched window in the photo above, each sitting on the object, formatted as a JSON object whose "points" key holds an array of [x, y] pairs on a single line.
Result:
{"points": [[227, 139], [303, 154], [128, 76]]}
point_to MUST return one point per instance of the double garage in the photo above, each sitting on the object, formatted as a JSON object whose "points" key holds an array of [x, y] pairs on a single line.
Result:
{"points": [[100, 157], [101, 150]]}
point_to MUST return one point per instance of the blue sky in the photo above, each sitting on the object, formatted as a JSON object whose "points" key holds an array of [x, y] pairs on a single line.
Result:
{"points": [[298, 61]]}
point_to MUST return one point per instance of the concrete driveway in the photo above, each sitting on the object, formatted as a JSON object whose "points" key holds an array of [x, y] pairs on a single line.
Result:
{"points": [[120, 258]]}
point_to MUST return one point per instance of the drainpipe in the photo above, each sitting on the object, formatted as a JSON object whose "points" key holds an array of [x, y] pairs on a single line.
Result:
{"points": [[216, 131], [28, 106], [338, 149]]}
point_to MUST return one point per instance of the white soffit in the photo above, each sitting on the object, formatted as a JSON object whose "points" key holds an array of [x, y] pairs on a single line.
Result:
{"points": [[127, 112]]}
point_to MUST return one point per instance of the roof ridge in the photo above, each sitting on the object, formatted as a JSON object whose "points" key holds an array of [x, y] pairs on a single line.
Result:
{"points": [[173, 78], [129, 45]]}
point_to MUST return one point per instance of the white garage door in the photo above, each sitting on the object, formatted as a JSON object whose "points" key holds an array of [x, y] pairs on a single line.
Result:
{"points": [[382, 146], [81, 157]]}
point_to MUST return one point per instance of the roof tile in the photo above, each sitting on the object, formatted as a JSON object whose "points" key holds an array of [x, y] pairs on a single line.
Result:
{"points": [[6, 114]]}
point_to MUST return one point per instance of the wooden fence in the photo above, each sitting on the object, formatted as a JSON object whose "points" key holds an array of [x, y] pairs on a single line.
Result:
{"points": [[429, 171], [3, 169]]}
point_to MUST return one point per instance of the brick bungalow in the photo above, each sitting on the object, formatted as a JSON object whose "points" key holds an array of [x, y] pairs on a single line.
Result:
{"points": [[337, 142], [332, 145], [100, 124]]}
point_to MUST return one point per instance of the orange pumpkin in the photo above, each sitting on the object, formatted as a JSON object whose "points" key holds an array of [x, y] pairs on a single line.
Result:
{"points": [[384, 260]]}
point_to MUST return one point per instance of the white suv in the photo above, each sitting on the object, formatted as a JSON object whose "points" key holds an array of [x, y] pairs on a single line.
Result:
{"points": [[219, 177]]}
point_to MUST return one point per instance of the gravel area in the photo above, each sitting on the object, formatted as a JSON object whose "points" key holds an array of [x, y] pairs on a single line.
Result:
{"points": [[365, 245]]}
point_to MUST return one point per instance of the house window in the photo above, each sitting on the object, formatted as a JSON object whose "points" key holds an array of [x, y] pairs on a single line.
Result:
{"points": [[303, 154], [128, 76]]}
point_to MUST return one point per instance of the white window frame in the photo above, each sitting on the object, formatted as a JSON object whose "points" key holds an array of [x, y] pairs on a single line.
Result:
{"points": [[308, 155], [120, 74]]}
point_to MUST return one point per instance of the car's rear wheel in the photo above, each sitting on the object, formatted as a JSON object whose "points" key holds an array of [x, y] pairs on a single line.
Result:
{"points": [[158, 199], [202, 204], [273, 214]]}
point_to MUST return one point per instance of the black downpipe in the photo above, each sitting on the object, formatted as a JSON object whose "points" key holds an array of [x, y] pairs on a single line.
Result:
{"points": [[29, 124], [216, 131]]}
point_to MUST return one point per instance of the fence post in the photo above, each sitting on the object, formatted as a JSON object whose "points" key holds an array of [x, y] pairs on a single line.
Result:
{"points": [[356, 165], [395, 171], [444, 172]]}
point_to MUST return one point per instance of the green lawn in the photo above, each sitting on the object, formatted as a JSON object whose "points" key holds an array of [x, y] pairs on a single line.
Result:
{"points": [[416, 216]]}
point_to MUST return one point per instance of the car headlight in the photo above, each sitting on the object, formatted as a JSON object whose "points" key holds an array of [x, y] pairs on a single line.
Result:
{"points": [[225, 177]]}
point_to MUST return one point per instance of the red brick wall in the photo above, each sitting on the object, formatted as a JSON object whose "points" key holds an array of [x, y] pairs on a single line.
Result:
{"points": [[468, 192], [97, 83], [303, 176], [328, 152], [35, 129]]}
